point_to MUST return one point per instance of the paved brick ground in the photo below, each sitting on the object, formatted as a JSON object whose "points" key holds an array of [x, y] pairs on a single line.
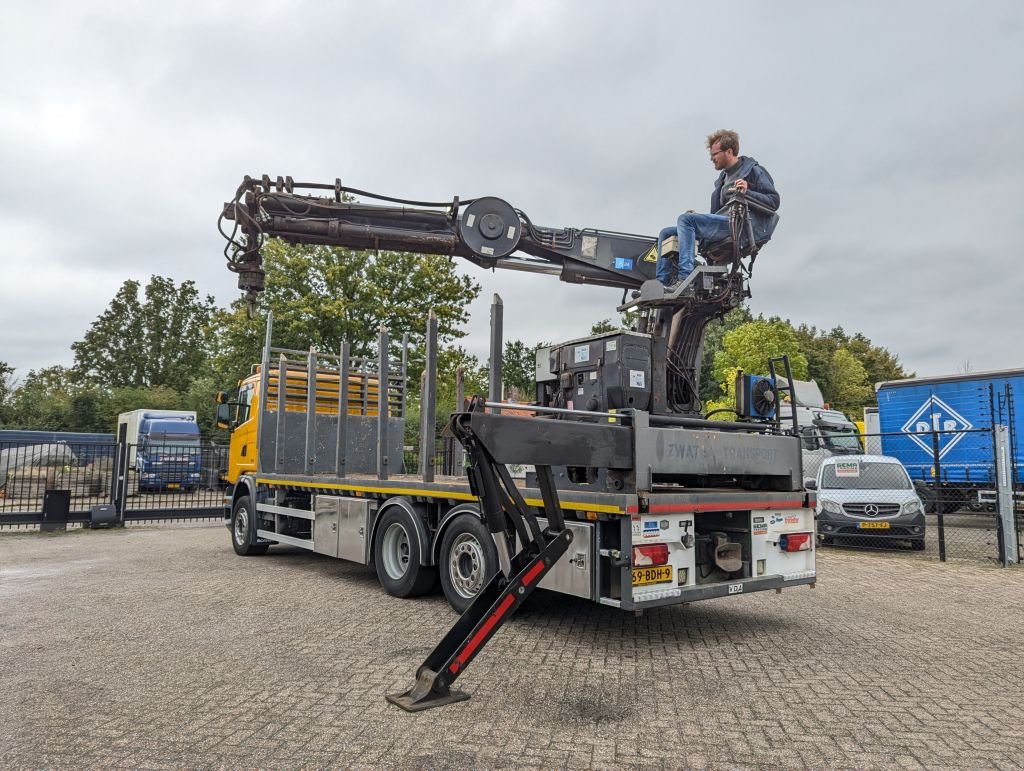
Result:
{"points": [[158, 647]]}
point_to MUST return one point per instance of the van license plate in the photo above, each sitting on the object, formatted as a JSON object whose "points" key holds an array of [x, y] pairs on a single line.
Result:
{"points": [[873, 525], [655, 575], [173, 486]]}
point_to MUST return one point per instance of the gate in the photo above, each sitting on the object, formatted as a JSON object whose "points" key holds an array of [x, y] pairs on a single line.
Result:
{"points": [[58, 483]]}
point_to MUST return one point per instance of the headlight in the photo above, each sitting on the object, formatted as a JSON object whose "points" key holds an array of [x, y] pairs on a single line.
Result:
{"points": [[911, 507], [831, 507]]}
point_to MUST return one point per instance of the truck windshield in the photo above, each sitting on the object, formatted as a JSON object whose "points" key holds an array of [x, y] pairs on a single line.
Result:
{"points": [[174, 439], [868, 476], [841, 440]]}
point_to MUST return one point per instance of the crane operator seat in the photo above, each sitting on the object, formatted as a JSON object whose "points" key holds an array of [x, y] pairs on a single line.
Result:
{"points": [[751, 238]]}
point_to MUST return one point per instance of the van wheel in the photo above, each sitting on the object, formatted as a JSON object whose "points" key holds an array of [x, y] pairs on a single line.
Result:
{"points": [[396, 556], [243, 528], [468, 560]]}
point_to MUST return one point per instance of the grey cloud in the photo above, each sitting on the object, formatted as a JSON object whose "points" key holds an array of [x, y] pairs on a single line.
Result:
{"points": [[887, 127]]}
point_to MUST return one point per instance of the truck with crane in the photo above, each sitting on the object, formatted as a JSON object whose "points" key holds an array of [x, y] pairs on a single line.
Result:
{"points": [[636, 499]]}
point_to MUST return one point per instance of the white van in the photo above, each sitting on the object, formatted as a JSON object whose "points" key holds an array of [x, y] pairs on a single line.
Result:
{"points": [[867, 499]]}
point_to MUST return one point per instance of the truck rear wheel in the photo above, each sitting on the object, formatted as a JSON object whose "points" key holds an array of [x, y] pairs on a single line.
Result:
{"points": [[243, 524], [396, 556], [468, 560]]}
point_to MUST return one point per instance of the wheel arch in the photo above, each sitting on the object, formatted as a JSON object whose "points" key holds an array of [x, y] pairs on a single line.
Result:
{"points": [[245, 485], [417, 511], [446, 520]]}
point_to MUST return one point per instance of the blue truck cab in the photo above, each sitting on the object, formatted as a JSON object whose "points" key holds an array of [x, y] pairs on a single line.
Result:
{"points": [[164, 448]]}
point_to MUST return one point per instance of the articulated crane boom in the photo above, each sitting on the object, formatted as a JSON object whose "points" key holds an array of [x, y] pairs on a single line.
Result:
{"points": [[491, 233]]}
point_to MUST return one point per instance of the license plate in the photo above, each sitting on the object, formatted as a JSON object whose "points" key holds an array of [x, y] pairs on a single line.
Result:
{"points": [[873, 525], [653, 575], [173, 486]]}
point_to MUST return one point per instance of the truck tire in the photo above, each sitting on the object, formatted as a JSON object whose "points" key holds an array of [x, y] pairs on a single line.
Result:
{"points": [[243, 520], [467, 560], [396, 556]]}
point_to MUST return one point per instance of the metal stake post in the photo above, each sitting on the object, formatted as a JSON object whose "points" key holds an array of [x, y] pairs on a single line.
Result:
{"points": [[382, 404], [494, 390], [428, 407]]}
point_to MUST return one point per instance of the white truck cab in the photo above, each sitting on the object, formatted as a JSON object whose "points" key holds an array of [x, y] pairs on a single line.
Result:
{"points": [[824, 432]]}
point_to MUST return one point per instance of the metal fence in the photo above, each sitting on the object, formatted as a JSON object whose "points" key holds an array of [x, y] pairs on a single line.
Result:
{"points": [[925, 504], [66, 483]]}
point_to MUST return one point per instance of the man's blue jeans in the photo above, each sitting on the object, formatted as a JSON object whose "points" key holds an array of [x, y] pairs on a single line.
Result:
{"points": [[690, 227]]}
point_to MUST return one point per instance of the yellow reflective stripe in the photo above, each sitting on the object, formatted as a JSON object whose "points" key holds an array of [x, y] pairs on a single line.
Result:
{"points": [[535, 502]]}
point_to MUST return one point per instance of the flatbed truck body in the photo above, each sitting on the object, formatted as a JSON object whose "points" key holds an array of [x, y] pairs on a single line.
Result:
{"points": [[645, 545]]}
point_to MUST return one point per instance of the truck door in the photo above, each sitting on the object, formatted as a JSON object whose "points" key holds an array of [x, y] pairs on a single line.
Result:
{"points": [[813, 451]]}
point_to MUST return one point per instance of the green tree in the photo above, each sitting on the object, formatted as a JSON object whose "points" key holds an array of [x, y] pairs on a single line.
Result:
{"points": [[710, 388], [821, 348], [42, 401], [852, 390], [519, 368], [158, 339], [748, 348], [321, 295], [6, 389]]}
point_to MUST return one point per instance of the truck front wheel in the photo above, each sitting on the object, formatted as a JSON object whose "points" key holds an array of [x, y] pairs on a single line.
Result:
{"points": [[468, 560], [243, 524], [396, 556]]}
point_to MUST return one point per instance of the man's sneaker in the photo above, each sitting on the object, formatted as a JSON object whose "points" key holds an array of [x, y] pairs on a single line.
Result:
{"points": [[673, 288]]}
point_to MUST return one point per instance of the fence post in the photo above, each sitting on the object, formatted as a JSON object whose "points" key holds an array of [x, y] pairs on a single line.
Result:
{"points": [[1004, 497], [119, 488], [940, 501]]}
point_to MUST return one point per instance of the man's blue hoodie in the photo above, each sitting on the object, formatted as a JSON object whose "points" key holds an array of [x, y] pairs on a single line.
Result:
{"points": [[760, 189]]}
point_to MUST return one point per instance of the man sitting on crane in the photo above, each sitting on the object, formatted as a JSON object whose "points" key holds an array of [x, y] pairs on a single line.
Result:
{"points": [[741, 175]]}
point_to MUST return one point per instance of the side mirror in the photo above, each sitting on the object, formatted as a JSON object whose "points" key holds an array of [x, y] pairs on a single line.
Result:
{"points": [[810, 484], [224, 415]]}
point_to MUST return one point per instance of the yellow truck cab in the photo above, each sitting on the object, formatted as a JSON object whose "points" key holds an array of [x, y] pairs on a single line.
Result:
{"points": [[240, 415]]}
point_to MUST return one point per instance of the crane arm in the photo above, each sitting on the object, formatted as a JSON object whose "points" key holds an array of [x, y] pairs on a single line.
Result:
{"points": [[486, 231]]}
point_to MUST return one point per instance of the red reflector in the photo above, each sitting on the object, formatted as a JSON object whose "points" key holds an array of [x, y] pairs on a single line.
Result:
{"points": [[795, 541], [652, 554]]}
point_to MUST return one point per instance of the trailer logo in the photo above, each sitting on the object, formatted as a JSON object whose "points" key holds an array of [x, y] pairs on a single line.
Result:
{"points": [[936, 416]]}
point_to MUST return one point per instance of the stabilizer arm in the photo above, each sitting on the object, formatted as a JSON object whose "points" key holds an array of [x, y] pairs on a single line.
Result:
{"points": [[507, 516]]}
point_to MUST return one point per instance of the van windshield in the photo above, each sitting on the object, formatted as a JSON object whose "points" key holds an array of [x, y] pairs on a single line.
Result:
{"points": [[860, 475]]}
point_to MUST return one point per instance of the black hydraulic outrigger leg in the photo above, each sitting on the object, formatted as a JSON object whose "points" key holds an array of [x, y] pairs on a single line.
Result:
{"points": [[507, 516]]}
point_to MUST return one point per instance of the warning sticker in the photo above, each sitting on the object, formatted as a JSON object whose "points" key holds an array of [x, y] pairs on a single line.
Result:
{"points": [[581, 353], [611, 345], [636, 378], [651, 255], [847, 468]]}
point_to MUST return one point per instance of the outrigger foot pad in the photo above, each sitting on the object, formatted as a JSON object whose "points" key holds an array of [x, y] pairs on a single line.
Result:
{"points": [[426, 693]]}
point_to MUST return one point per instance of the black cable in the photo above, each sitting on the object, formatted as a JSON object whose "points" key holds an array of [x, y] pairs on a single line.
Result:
{"points": [[376, 196]]}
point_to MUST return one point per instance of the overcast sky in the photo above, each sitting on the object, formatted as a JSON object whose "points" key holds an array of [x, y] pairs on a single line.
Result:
{"points": [[890, 129]]}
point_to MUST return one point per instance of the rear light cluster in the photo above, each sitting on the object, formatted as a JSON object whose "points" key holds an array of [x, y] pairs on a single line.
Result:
{"points": [[652, 554], [795, 541]]}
